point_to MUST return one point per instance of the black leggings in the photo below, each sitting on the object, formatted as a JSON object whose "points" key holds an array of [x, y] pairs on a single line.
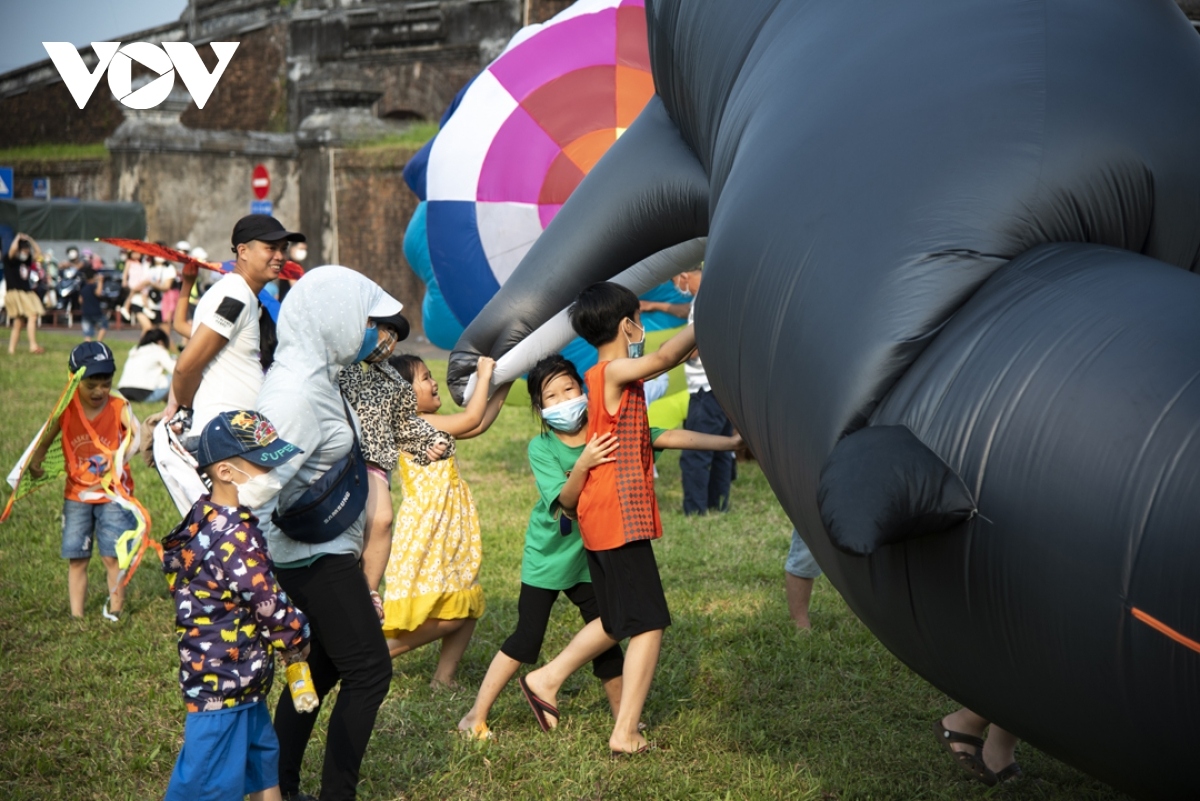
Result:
{"points": [[533, 615], [347, 646]]}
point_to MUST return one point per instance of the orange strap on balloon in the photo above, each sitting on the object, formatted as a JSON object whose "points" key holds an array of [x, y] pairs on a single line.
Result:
{"points": [[1163, 628]]}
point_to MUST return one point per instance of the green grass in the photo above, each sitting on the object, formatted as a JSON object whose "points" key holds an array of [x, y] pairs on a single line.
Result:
{"points": [[742, 707], [412, 137], [53, 152]]}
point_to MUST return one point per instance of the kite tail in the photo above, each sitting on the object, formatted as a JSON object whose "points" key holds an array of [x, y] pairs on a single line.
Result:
{"points": [[132, 544]]}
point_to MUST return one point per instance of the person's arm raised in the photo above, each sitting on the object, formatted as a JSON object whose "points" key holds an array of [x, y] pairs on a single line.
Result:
{"points": [[674, 351], [179, 320], [472, 415], [490, 412]]}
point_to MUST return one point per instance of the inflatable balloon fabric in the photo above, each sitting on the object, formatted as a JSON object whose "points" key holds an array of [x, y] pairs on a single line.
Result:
{"points": [[950, 301], [514, 145]]}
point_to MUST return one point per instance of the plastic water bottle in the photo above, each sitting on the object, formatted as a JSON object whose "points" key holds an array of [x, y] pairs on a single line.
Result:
{"points": [[300, 683]]}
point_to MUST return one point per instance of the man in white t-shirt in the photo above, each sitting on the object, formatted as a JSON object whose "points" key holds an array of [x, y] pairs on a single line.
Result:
{"points": [[220, 369]]}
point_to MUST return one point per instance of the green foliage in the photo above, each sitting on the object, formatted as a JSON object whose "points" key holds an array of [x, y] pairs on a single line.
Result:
{"points": [[413, 137], [53, 152], [742, 707]]}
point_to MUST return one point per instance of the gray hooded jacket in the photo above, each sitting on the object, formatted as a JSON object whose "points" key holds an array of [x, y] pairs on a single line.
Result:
{"points": [[321, 326]]}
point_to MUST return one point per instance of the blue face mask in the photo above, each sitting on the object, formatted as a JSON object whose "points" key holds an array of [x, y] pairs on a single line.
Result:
{"points": [[636, 350], [370, 340], [567, 416]]}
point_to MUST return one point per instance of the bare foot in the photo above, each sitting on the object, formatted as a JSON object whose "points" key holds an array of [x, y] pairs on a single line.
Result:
{"points": [[637, 745], [443, 684], [475, 730]]}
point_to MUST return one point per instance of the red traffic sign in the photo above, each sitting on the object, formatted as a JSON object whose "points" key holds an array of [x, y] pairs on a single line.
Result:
{"points": [[261, 182]]}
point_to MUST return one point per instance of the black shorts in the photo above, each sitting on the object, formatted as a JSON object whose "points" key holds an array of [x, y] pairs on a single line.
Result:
{"points": [[533, 615], [628, 590]]}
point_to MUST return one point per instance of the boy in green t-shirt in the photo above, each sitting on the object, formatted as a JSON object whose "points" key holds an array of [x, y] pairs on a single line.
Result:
{"points": [[554, 559]]}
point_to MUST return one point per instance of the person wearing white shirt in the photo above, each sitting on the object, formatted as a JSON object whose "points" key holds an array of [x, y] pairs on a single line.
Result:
{"points": [[147, 374], [220, 369]]}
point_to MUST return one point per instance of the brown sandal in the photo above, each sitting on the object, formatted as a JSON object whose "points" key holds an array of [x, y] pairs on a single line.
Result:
{"points": [[970, 761]]}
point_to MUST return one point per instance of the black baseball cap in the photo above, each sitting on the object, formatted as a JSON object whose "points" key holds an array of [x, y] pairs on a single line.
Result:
{"points": [[397, 322], [246, 434], [95, 357], [264, 228]]}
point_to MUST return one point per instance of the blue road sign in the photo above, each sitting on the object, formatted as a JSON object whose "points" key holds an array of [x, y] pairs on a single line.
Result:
{"points": [[261, 207], [6, 183], [41, 188]]}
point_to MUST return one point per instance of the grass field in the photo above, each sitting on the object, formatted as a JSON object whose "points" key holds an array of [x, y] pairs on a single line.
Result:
{"points": [[743, 706]]}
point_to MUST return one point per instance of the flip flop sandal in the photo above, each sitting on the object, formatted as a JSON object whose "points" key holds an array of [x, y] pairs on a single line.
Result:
{"points": [[969, 761], [540, 708], [648, 747]]}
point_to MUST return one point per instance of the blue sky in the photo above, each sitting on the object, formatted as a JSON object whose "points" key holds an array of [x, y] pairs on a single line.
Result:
{"points": [[28, 23]]}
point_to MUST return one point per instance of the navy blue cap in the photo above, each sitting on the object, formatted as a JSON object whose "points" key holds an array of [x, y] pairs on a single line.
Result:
{"points": [[95, 357], [246, 434]]}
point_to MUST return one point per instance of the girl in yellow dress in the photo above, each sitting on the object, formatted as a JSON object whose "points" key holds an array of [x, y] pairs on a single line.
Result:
{"points": [[432, 579]]}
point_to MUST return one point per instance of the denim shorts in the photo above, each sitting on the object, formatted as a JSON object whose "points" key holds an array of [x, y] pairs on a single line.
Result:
{"points": [[226, 754], [81, 522], [800, 562], [91, 325]]}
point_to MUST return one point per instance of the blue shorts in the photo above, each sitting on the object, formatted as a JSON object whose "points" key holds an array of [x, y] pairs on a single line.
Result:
{"points": [[800, 562], [91, 325], [106, 522], [226, 754]]}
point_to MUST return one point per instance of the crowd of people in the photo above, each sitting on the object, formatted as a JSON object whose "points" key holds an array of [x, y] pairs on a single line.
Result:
{"points": [[279, 443], [137, 290]]}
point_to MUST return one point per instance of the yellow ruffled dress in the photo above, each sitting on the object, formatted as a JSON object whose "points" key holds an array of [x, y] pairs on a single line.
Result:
{"points": [[433, 570]]}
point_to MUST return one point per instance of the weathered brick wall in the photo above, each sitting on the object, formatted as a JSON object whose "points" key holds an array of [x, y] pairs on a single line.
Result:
{"points": [[49, 114], [84, 179], [373, 209], [542, 10], [421, 88], [252, 94]]}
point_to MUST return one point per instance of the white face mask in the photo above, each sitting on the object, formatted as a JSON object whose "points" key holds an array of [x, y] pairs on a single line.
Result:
{"points": [[566, 416], [255, 491]]}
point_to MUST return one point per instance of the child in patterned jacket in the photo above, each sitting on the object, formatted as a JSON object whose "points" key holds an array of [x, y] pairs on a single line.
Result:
{"points": [[230, 615]]}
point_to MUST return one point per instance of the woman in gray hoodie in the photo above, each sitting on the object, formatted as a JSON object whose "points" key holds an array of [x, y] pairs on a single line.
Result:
{"points": [[321, 330]]}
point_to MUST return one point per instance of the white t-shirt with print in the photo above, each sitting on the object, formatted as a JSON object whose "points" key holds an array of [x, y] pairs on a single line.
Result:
{"points": [[233, 378]]}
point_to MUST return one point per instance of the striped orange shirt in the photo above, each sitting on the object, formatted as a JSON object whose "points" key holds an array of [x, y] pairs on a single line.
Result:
{"points": [[617, 505]]}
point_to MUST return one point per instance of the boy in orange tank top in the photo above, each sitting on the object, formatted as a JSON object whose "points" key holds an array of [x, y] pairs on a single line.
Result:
{"points": [[617, 510], [92, 427]]}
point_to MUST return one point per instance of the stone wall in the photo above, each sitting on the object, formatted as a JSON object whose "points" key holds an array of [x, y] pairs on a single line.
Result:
{"points": [[542, 10], [205, 194], [83, 179], [252, 95], [49, 114], [374, 206]]}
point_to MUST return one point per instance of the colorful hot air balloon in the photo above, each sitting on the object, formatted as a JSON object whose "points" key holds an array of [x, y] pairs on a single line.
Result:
{"points": [[513, 147]]}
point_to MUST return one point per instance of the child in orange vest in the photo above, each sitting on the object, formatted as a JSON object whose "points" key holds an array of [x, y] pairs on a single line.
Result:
{"points": [[617, 511], [93, 427]]}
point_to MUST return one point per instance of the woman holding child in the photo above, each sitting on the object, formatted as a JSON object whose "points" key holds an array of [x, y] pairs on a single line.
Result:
{"points": [[323, 328]]}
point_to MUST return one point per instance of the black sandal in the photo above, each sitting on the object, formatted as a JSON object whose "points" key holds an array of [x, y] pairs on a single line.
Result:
{"points": [[1010, 774], [970, 761]]}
